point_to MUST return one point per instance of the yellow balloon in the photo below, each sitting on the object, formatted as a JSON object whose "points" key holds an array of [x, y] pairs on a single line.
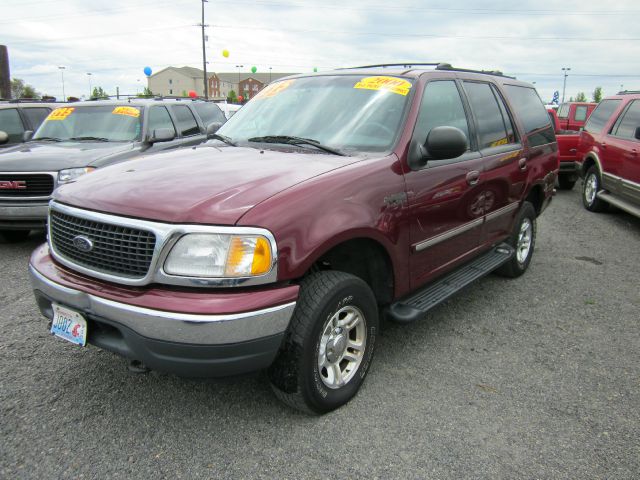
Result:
{"points": [[225, 53]]}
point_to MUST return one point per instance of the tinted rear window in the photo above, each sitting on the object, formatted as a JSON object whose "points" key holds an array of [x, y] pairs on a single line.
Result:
{"points": [[627, 125], [533, 115], [600, 116], [186, 121]]}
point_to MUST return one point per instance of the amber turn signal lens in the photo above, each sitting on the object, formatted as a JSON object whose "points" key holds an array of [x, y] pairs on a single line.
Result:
{"points": [[261, 257]]}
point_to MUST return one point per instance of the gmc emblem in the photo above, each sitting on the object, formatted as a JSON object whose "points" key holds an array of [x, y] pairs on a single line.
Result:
{"points": [[13, 185]]}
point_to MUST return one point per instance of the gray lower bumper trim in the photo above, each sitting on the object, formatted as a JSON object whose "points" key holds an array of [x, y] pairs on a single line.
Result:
{"points": [[26, 212], [172, 326]]}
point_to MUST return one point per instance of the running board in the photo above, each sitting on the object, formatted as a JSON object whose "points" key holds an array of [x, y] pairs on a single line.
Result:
{"points": [[619, 202], [416, 305]]}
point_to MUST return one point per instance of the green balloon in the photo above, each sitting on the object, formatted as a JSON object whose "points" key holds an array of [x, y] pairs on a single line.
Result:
{"points": [[315, 69], [254, 69]]}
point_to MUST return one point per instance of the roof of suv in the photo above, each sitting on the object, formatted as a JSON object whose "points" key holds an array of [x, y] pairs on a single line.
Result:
{"points": [[416, 70]]}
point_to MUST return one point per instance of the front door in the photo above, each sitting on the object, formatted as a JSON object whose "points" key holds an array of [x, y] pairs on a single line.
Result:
{"points": [[445, 221], [625, 147]]}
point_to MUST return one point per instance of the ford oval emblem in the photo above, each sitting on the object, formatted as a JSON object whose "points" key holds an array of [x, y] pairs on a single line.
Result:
{"points": [[82, 243]]}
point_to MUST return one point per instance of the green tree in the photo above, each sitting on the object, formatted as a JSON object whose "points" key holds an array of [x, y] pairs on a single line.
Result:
{"points": [[145, 93], [19, 89], [581, 97], [597, 94], [98, 92], [231, 98]]}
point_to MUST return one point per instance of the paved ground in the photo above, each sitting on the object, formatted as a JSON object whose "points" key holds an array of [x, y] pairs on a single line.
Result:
{"points": [[531, 378]]}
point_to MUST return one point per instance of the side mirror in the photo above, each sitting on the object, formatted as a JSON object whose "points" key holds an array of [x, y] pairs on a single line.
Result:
{"points": [[444, 143], [213, 128], [27, 135], [637, 133], [4, 138], [162, 135]]}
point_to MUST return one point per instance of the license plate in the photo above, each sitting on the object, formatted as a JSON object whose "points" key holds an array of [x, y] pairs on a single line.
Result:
{"points": [[69, 324]]}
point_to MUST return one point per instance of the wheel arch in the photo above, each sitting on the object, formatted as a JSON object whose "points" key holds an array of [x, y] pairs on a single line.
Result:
{"points": [[590, 160]]}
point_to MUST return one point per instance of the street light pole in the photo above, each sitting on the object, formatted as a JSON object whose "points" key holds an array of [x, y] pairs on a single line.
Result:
{"points": [[89, 75], [564, 84], [270, 74], [64, 98], [239, 67], [204, 56]]}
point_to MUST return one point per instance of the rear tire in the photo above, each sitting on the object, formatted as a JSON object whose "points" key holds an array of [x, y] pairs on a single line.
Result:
{"points": [[566, 182], [329, 344], [591, 185], [523, 240], [14, 236]]}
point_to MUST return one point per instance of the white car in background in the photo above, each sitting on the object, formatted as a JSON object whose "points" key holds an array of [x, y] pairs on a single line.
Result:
{"points": [[229, 109]]}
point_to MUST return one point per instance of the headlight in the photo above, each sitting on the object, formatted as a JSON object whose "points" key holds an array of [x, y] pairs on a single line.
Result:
{"points": [[219, 255], [70, 174]]}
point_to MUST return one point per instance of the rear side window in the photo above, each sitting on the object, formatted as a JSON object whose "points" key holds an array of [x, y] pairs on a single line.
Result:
{"points": [[209, 113], [11, 123], [493, 129], [563, 111], [159, 118], [534, 117], [441, 106], [187, 124], [581, 113], [626, 126], [36, 116], [600, 116]]}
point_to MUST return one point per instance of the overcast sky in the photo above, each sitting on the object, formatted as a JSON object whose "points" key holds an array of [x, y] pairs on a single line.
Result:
{"points": [[116, 39]]}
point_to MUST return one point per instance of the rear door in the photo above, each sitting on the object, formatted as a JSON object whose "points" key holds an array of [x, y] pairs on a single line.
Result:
{"points": [[445, 224], [626, 147], [189, 130]]}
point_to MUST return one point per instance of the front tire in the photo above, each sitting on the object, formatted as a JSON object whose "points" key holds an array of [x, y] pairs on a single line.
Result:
{"points": [[590, 188], [523, 240], [329, 345]]}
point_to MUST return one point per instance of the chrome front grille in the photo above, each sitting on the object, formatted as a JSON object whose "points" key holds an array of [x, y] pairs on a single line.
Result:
{"points": [[115, 250], [26, 185]]}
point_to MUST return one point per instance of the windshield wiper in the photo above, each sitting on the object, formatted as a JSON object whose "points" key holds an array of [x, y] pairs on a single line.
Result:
{"points": [[223, 138], [95, 139], [290, 140], [51, 139]]}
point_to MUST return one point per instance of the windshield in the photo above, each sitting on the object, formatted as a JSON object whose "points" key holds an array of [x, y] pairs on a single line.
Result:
{"points": [[347, 112], [114, 123]]}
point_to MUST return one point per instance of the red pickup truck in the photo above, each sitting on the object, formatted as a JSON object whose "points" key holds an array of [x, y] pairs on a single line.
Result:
{"points": [[325, 201], [573, 115], [567, 153]]}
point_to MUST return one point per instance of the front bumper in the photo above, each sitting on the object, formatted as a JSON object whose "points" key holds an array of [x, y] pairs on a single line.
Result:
{"points": [[15, 216], [202, 344]]}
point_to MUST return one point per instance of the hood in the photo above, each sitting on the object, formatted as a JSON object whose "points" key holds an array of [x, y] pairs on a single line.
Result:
{"points": [[51, 157], [207, 184]]}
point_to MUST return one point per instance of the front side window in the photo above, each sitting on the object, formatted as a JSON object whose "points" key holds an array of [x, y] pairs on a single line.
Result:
{"points": [[629, 123], [113, 123], [11, 124], [187, 124], [351, 113], [581, 113], [534, 117], [601, 115], [492, 130], [159, 118], [441, 106]]}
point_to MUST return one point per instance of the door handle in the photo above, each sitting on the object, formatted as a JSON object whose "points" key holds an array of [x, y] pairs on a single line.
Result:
{"points": [[473, 177], [603, 145], [522, 163]]}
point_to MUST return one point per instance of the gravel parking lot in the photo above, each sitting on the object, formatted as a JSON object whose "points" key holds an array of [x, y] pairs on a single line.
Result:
{"points": [[537, 377]]}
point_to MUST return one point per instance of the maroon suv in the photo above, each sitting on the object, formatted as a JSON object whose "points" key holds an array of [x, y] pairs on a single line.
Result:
{"points": [[327, 200], [609, 147]]}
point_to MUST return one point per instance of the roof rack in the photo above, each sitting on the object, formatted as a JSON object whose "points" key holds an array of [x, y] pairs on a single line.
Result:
{"points": [[30, 100], [628, 92], [438, 65]]}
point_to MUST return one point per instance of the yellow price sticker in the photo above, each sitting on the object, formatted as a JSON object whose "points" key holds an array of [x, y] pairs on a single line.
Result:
{"points": [[274, 89], [60, 113], [129, 111], [389, 84]]}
